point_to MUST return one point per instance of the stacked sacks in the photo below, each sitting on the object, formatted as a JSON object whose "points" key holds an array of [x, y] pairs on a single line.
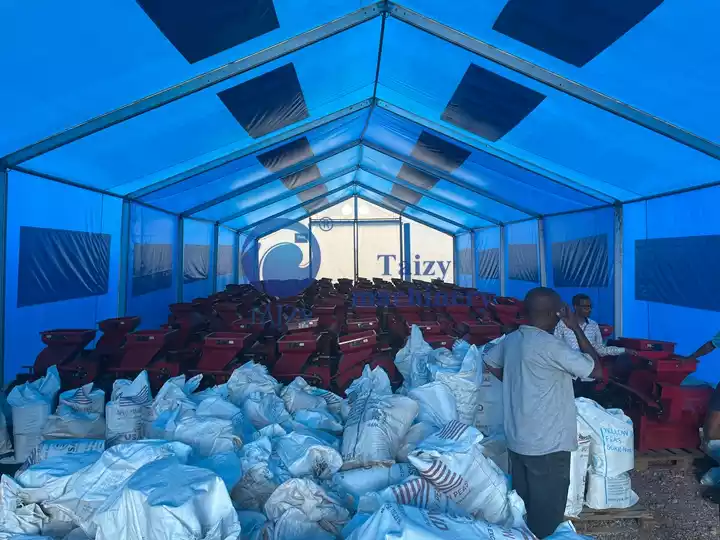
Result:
{"points": [[377, 423], [125, 413], [31, 407], [612, 456], [80, 415], [489, 415], [397, 521], [303, 464], [453, 461], [184, 502], [579, 464], [412, 360]]}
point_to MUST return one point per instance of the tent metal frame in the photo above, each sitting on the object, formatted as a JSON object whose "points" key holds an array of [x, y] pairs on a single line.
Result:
{"points": [[553, 172], [4, 187]]}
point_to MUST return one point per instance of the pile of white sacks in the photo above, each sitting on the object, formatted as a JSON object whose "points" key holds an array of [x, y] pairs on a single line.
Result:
{"points": [[599, 469], [253, 459]]}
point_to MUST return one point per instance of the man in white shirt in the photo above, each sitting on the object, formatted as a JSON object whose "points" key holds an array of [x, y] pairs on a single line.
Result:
{"points": [[582, 305], [537, 370]]}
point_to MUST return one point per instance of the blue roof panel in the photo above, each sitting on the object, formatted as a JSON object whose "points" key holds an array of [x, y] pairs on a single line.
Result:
{"points": [[249, 170], [200, 127], [461, 198], [103, 55], [340, 164], [560, 130], [659, 61]]}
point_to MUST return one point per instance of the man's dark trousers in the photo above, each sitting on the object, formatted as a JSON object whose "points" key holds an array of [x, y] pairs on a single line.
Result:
{"points": [[543, 483]]}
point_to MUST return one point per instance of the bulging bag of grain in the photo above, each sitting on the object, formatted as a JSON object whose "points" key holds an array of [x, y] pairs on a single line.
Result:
{"points": [[378, 421], [168, 499], [579, 462], [407, 522], [125, 413], [85, 400], [452, 460], [31, 407], [412, 360], [414, 491], [610, 492], [612, 447]]}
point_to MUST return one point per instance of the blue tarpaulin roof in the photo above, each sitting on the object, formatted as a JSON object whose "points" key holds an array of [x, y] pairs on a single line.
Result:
{"points": [[465, 114], [475, 118]]}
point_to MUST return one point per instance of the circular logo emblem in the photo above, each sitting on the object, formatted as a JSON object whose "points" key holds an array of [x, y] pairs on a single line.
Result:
{"points": [[280, 268], [326, 224]]}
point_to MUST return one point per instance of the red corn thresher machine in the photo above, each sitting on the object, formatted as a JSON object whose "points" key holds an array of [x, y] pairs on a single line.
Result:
{"points": [[665, 413]]}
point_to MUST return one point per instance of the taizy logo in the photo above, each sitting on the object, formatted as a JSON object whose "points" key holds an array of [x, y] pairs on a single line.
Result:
{"points": [[281, 268]]}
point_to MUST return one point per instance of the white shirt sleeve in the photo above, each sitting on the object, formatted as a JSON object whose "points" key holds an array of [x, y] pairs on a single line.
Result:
{"points": [[597, 341], [495, 357]]}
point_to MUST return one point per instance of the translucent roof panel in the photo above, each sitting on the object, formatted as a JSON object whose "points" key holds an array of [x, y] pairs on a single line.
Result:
{"points": [[310, 200], [653, 55], [271, 161], [308, 179], [404, 138], [343, 210], [103, 55], [372, 197], [528, 119], [385, 166], [301, 87], [403, 196], [367, 210]]}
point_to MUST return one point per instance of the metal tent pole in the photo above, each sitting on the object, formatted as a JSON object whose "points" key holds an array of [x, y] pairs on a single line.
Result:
{"points": [[180, 259], [124, 257], [3, 265], [236, 258], [618, 274], [543, 255], [502, 251], [472, 260], [456, 269], [215, 257]]}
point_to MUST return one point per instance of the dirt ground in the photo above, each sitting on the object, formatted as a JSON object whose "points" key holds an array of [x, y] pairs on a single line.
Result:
{"points": [[675, 499]]}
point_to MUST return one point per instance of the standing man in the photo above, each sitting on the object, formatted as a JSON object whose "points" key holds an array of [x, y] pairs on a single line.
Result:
{"points": [[537, 370]]}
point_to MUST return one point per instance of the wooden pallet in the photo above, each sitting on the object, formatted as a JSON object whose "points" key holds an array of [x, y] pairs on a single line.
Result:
{"points": [[637, 520], [668, 458]]}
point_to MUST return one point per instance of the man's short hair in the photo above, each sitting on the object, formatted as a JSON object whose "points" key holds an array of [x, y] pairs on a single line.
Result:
{"points": [[538, 298], [582, 296]]}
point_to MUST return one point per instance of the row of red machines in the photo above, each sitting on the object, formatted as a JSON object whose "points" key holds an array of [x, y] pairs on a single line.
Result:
{"points": [[326, 334], [331, 331]]}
